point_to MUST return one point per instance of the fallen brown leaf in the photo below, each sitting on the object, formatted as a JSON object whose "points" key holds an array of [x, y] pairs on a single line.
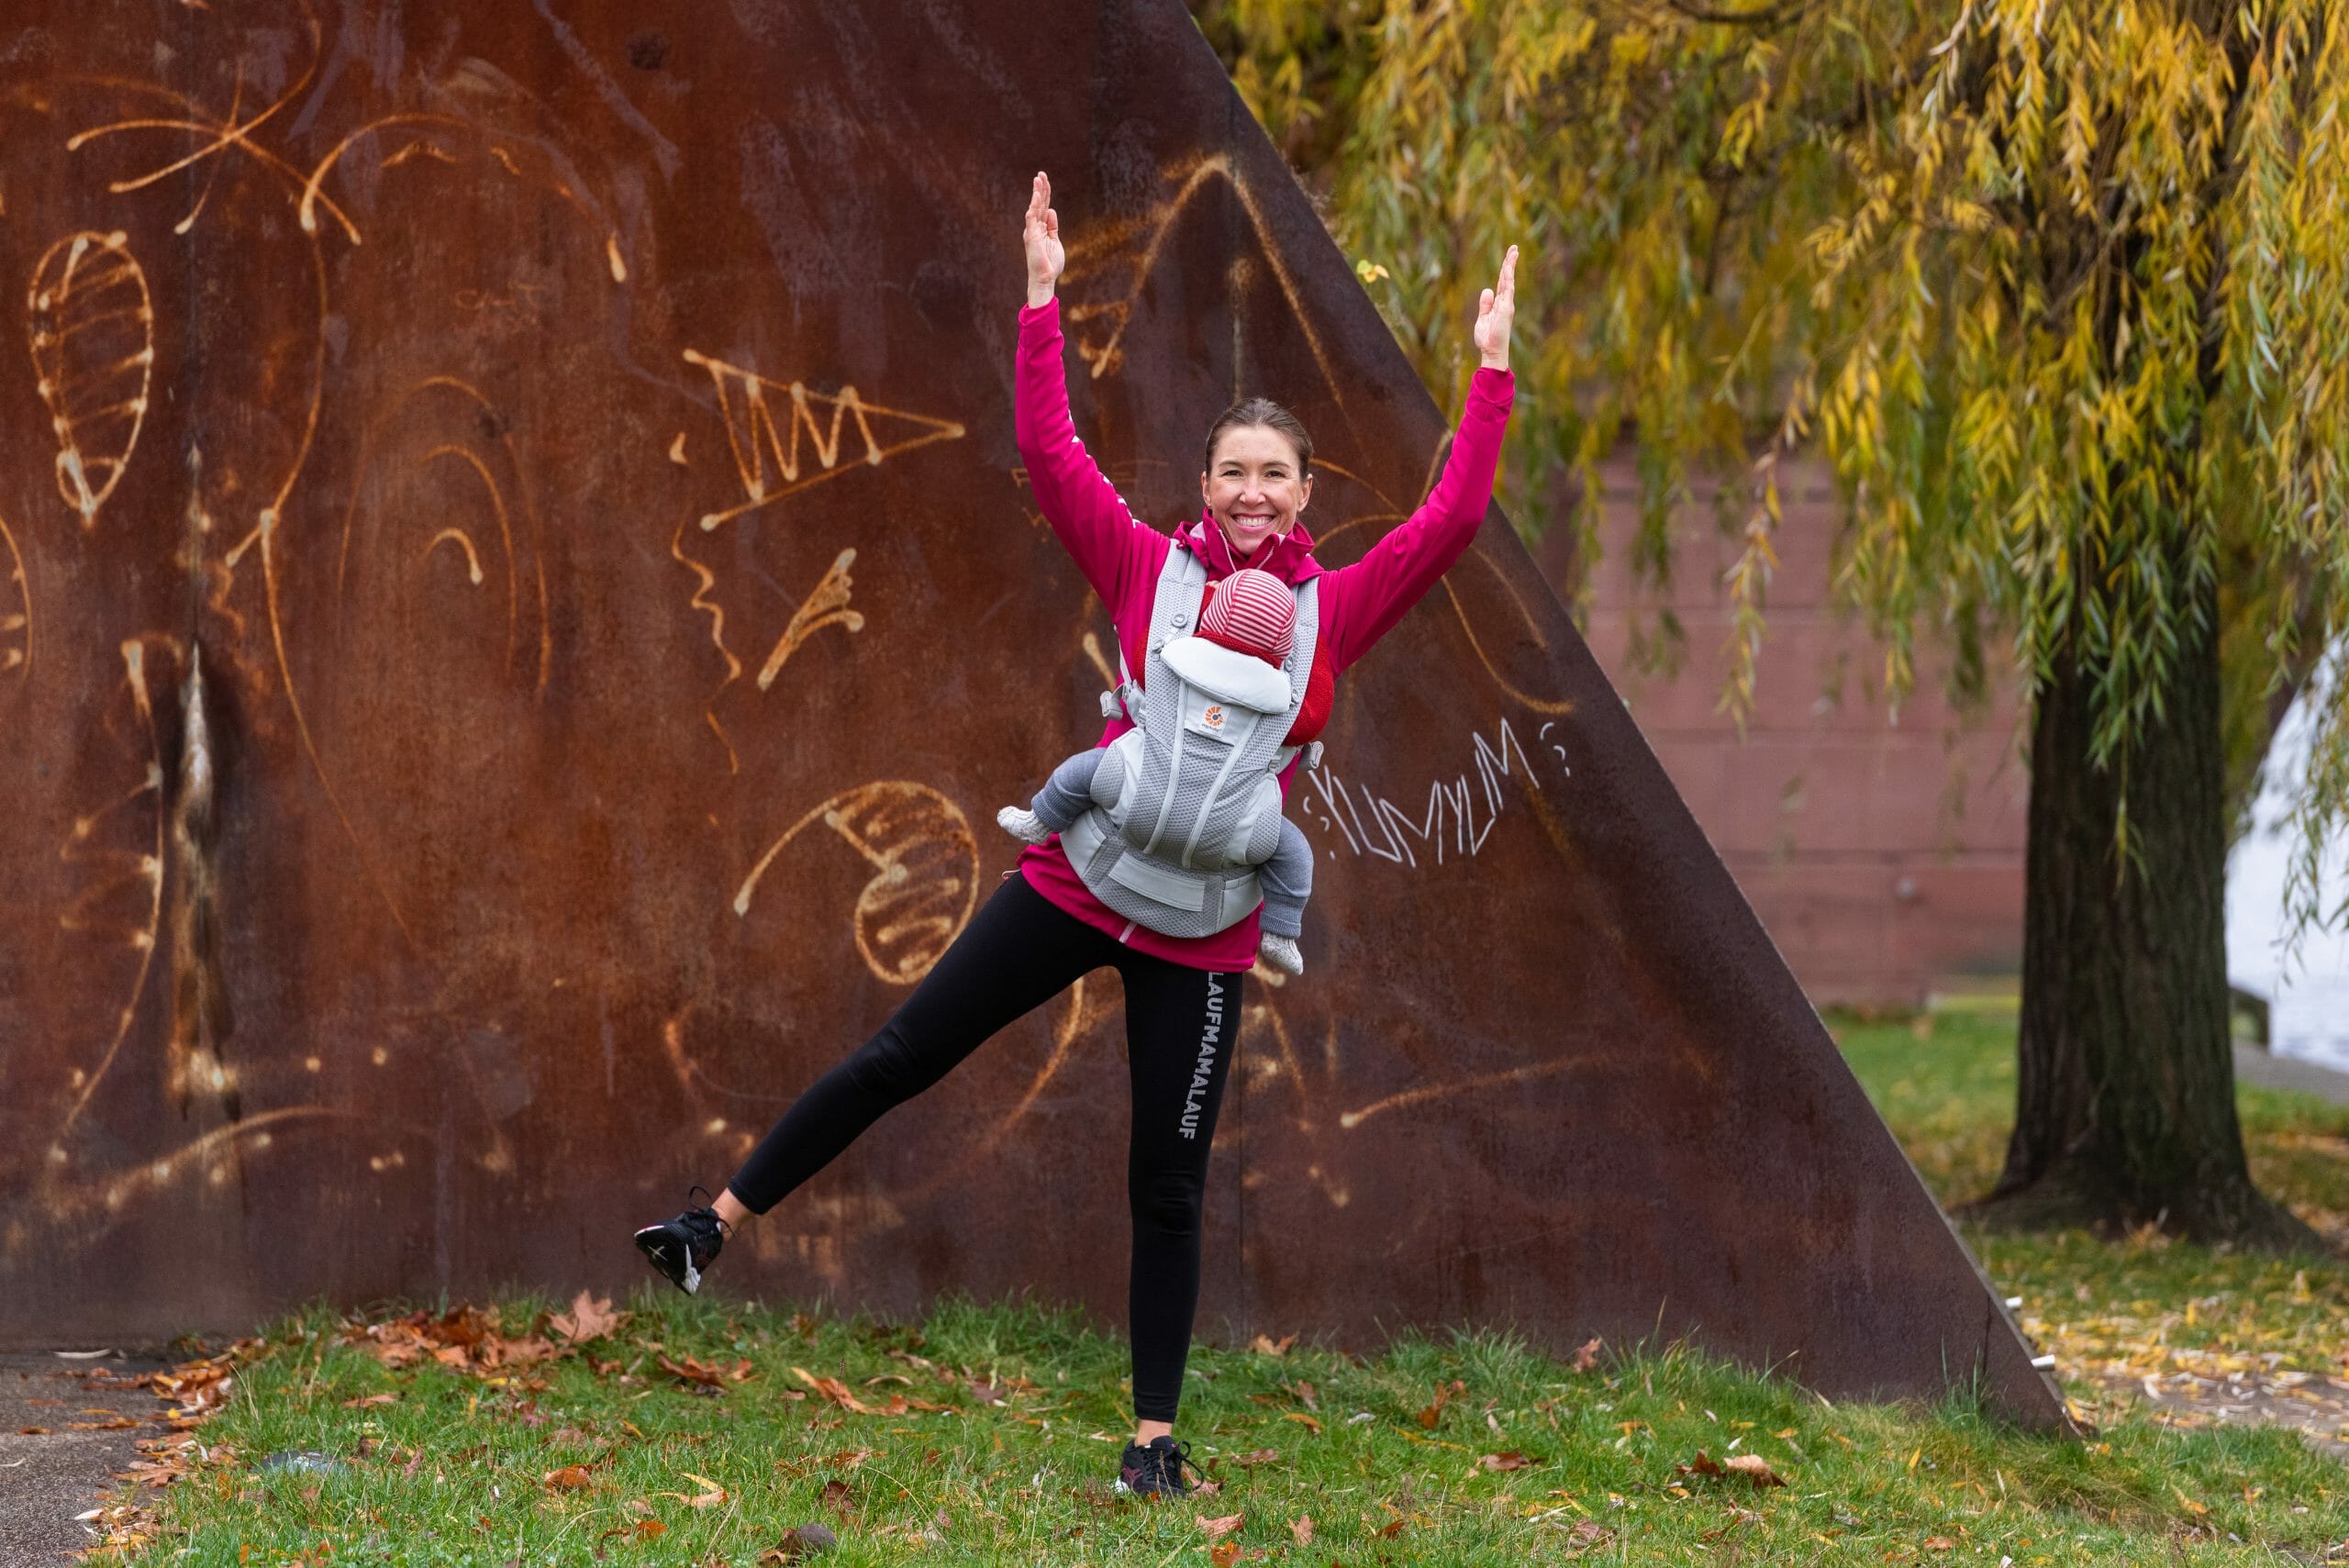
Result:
{"points": [[708, 1375], [1589, 1532], [1301, 1529], [1256, 1456], [32, 1431], [1700, 1466], [1443, 1392], [1224, 1554], [497, 1354], [1218, 1528], [569, 1478], [837, 1498], [386, 1397], [1754, 1468], [1510, 1460], [1265, 1345], [1586, 1354], [834, 1389], [589, 1318], [1302, 1419], [1939, 1543]]}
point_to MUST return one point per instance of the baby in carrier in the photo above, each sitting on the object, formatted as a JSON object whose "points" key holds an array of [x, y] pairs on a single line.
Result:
{"points": [[1252, 612]]}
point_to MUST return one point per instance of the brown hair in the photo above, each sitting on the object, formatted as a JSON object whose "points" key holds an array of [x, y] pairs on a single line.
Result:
{"points": [[1263, 411]]}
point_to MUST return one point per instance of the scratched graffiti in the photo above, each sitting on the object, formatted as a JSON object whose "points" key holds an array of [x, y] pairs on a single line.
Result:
{"points": [[1370, 824], [93, 337], [1109, 267], [823, 421], [925, 872], [16, 612], [826, 605], [782, 438]]}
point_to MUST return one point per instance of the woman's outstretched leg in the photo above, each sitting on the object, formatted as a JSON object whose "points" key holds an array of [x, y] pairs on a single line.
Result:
{"points": [[1182, 1026], [1016, 953]]}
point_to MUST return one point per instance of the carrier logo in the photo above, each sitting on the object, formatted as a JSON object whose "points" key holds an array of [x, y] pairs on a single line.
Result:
{"points": [[1213, 717], [1206, 1069]]}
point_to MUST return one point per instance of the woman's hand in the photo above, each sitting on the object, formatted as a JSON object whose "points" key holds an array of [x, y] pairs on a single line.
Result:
{"points": [[1494, 312], [1041, 232]]}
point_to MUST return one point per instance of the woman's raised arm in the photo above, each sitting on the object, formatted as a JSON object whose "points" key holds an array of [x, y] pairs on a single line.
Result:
{"points": [[1368, 598], [1092, 521]]}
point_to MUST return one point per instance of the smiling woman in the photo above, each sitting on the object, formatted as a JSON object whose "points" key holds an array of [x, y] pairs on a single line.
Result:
{"points": [[1259, 473], [1167, 873]]}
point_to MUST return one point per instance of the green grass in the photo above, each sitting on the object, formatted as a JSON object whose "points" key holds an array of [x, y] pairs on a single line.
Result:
{"points": [[1945, 1086], [455, 1470]]}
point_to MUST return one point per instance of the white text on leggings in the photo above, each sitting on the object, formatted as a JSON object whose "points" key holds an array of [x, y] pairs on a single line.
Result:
{"points": [[1206, 1058]]}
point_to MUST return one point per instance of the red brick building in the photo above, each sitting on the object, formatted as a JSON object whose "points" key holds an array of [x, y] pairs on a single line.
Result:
{"points": [[1886, 858]]}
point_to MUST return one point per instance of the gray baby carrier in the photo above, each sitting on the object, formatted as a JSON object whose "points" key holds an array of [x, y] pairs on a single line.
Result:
{"points": [[1187, 806]]}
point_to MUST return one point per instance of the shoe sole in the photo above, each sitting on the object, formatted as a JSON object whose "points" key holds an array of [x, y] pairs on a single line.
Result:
{"points": [[655, 1243]]}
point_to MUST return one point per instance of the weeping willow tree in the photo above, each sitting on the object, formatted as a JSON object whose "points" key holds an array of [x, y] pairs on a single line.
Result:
{"points": [[2060, 289]]}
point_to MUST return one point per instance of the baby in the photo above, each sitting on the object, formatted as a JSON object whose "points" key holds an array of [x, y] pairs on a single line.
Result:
{"points": [[1252, 612]]}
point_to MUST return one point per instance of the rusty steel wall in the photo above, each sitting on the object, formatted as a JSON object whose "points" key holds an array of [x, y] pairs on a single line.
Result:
{"points": [[520, 606]]}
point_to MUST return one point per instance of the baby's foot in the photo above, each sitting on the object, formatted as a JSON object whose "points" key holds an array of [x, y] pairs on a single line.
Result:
{"points": [[1281, 953], [1021, 823]]}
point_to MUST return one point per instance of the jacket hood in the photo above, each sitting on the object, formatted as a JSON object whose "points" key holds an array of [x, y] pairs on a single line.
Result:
{"points": [[1288, 557]]}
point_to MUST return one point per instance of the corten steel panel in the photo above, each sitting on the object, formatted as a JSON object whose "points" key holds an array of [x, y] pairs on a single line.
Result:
{"points": [[577, 452]]}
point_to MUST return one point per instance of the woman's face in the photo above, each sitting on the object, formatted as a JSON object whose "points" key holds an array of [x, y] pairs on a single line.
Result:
{"points": [[1253, 489]]}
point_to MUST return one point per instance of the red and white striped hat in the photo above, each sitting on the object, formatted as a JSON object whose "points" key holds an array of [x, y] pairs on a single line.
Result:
{"points": [[1252, 612]]}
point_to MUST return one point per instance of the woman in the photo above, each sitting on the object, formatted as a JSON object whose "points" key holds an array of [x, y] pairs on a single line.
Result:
{"points": [[1044, 927]]}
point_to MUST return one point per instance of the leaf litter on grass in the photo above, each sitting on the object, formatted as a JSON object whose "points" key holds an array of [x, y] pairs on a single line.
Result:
{"points": [[2193, 1336], [1416, 1497]]}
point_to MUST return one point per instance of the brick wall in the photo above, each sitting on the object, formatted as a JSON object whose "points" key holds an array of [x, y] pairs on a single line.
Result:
{"points": [[1885, 858]]}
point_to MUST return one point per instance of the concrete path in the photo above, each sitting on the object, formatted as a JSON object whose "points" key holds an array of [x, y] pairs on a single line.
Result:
{"points": [[2254, 1065], [47, 1478]]}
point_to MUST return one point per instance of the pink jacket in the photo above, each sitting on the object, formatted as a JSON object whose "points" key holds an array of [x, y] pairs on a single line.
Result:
{"points": [[1120, 557]]}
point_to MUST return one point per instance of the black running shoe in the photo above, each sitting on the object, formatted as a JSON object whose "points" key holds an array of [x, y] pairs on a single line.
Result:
{"points": [[1155, 1471], [681, 1247]]}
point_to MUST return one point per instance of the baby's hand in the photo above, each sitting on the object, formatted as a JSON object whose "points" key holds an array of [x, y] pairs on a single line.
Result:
{"points": [[1281, 953]]}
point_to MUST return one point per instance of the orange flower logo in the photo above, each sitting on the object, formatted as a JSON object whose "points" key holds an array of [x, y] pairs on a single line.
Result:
{"points": [[1214, 717]]}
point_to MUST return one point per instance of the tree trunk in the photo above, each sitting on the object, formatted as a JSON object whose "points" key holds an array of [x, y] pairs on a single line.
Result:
{"points": [[2125, 1108]]}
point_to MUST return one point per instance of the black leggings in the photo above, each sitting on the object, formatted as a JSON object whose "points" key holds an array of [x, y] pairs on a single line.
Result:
{"points": [[1182, 1026]]}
